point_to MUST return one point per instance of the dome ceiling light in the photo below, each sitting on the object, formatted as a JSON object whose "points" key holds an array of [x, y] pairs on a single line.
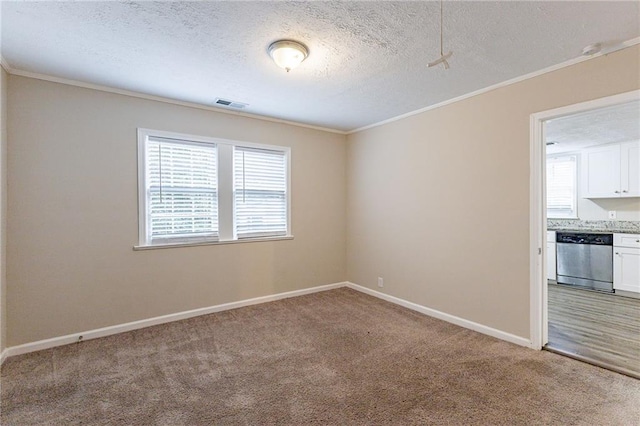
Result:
{"points": [[288, 54]]}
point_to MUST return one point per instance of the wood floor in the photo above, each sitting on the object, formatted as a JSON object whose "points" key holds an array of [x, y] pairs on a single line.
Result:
{"points": [[595, 327]]}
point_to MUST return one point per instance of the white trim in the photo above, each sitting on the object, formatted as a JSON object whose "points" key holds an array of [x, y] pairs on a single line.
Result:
{"points": [[226, 214], [534, 74], [620, 98], [4, 64], [537, 213], [142, 190], [537, 232], [139, 95], [226, 205], [480, 328], [289, 194], [214, 243], [136, 325]]}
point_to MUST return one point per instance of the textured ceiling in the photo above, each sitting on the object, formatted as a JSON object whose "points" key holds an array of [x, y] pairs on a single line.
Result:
{"points": [[617, 123], [367, 60]]}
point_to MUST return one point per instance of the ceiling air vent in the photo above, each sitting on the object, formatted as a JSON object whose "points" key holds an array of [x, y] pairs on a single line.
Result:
{"points": [[230, 104]]}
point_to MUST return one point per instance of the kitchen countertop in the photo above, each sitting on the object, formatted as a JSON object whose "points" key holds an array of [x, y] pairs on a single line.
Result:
{"points": [[594, 231], [604, 226]]}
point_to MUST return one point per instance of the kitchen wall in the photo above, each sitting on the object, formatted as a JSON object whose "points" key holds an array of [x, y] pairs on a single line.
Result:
{"points": [[73, 219], [438, 202], [3, 208], [625, 208]]}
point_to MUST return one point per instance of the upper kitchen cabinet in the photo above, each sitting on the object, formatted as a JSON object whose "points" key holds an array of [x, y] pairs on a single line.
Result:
{"points": [[611, 171], [630, 169]]}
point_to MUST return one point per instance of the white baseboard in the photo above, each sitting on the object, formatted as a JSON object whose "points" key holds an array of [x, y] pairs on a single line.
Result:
{"points": [[121, 328], [522, 341], [135, 325]]}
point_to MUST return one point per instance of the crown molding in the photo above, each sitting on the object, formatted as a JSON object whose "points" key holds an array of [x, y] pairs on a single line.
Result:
{"points": [[9, 69], [515, 80], [84, 85], [4, 64]]}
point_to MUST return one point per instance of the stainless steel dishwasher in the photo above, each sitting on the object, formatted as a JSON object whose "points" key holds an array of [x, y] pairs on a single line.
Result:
{"points": [[585, 260]]}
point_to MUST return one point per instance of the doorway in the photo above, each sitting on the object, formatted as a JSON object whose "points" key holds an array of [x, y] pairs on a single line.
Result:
{"points": [[571, 338]]}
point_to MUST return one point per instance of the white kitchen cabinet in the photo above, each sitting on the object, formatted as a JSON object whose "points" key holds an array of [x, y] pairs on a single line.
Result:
{"points": [[601, 172], [551, 261], [626, 262], [626, 240], [630, 169], [611, 171], [551, 255]]}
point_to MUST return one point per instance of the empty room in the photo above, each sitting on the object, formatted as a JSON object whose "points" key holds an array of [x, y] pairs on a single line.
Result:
{"points": [[320, 212]]}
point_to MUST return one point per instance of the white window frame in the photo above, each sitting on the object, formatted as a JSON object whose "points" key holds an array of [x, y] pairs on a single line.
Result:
{"points": [[226, 228], [555, 157]]}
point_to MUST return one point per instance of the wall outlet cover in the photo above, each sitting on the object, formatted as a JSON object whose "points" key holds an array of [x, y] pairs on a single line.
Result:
{"points": [[380, 282], [612, 214]]}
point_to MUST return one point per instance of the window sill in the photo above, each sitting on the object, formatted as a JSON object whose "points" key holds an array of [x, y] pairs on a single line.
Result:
{"points": [[563, 217], [213, 243]]}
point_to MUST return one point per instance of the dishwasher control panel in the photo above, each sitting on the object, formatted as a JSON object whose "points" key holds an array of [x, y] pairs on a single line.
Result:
{"points": [[584, 238]]}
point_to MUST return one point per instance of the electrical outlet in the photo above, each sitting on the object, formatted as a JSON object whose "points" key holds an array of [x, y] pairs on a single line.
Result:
{"points": [[612, 214], [380, 282]]}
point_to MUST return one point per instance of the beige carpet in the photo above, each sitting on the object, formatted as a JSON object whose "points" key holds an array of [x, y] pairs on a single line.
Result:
{"points": [[337, 357]]}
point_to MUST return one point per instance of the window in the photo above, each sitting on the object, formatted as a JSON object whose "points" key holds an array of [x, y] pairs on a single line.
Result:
{"points": [[562, 187], [181, 191], [260, 192], [201, 190]]}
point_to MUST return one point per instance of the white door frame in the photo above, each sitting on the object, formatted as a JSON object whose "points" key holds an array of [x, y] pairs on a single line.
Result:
{"points": [[538, 214]]}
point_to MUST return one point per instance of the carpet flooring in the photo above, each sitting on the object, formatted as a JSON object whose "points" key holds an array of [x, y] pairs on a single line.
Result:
{"points": [[338, 357]]}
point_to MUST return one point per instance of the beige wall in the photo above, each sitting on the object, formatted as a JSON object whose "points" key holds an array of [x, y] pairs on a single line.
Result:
{"points": [[438, 203], [73, 214], [3, 208]]}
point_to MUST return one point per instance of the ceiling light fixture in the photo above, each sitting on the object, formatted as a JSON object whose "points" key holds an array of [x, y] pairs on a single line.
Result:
{"points": [[288, 54], [443, 58]]}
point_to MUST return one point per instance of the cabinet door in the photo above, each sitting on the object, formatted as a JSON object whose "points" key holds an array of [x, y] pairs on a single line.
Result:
{"points": [[601, 172], [626, 269], [551, 261], [630, 169]]}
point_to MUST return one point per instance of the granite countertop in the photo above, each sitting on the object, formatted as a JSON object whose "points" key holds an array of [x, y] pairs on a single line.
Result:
{"points": [[593, 231], [604, 226]]}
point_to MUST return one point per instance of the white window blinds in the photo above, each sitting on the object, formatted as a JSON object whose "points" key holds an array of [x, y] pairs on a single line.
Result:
{"points": [[182, 191], [260, 192], [197, 189], [562, 186]]}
